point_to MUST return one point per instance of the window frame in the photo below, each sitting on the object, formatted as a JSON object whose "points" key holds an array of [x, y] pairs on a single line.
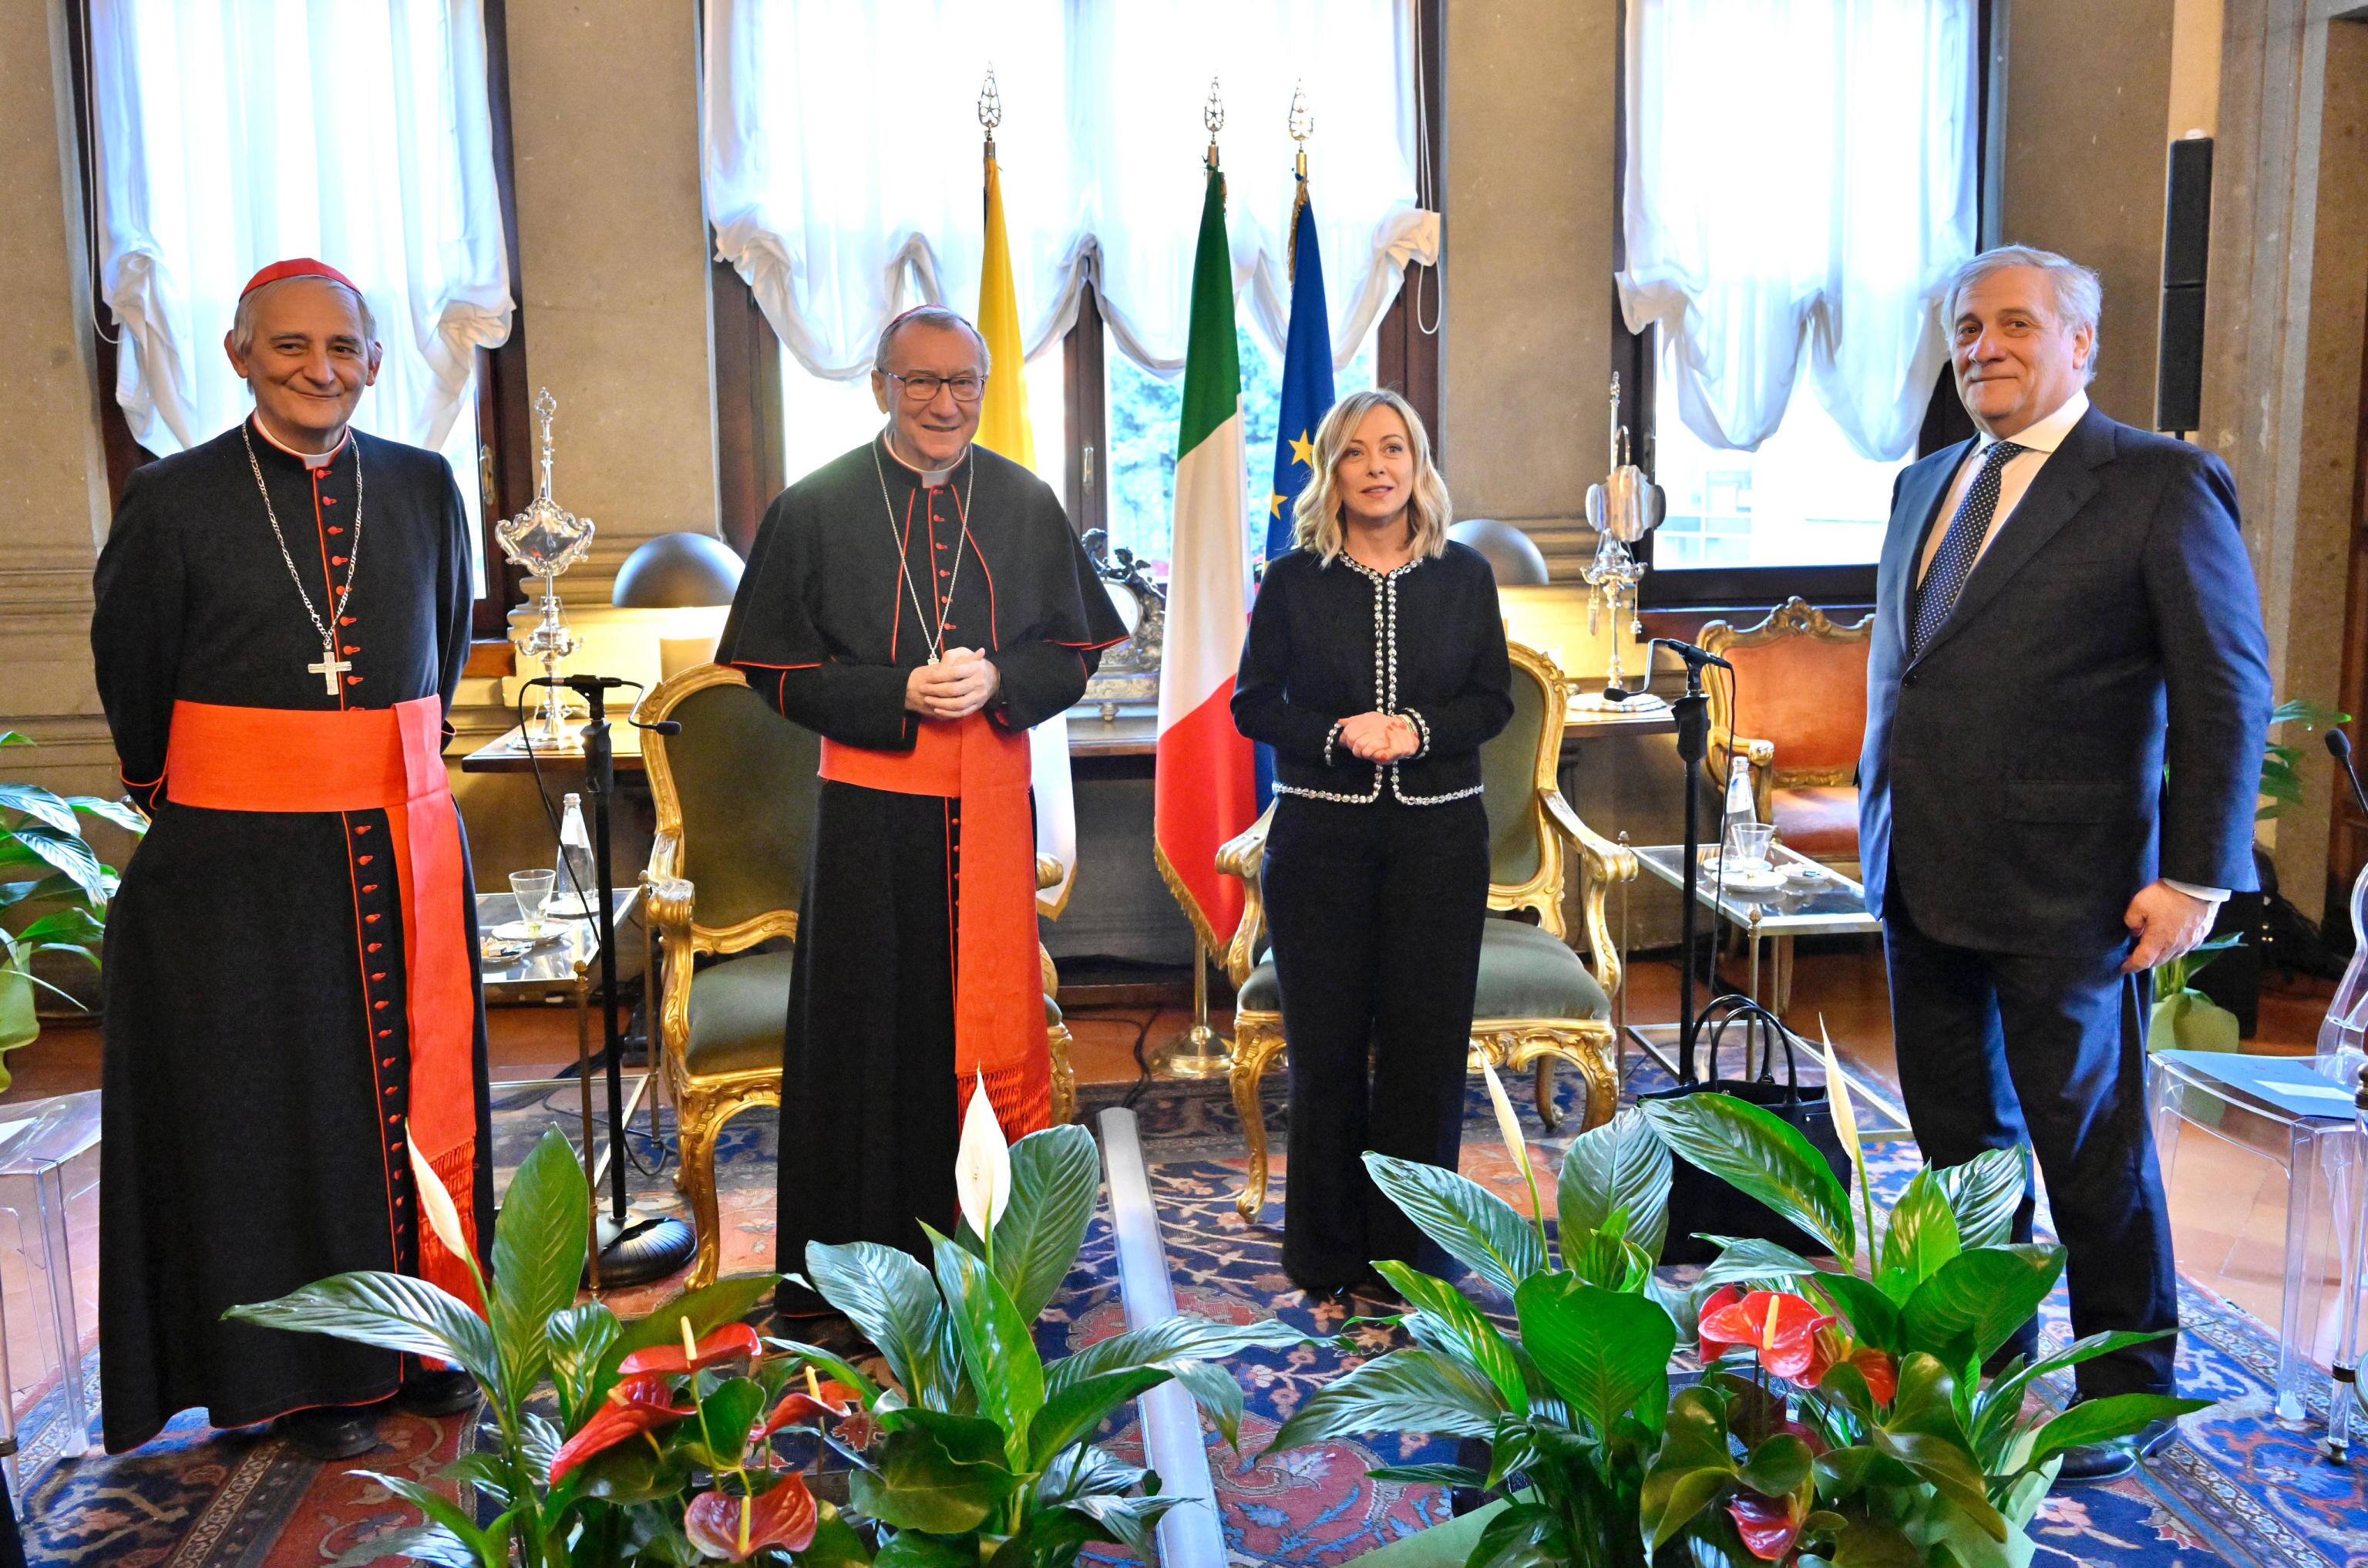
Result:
{"points": [[1635, 355], [504, 476], [747, 360]]}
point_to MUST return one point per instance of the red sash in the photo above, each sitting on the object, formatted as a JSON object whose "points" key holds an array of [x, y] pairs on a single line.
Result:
{"points": [[998, 983], [389, 759]]}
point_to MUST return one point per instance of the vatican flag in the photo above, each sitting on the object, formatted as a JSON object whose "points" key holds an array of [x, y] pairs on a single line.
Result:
{"points": [[1003, 428]]}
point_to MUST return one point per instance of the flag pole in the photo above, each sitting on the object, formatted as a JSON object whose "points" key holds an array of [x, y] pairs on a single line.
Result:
{"points": [[1200, 1051]]}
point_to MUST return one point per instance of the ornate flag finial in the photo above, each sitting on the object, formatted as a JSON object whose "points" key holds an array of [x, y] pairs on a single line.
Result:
{"points": [[1302, 122], [1212, 115], [990, 106]]}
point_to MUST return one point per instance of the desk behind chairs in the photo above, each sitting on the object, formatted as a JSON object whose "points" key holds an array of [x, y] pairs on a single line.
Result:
{"points": [[734, 793], [1537, 1002], [1801, 683]]}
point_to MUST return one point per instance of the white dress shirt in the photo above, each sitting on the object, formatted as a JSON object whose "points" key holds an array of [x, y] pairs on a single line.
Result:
{"points": [[2039, 441]]}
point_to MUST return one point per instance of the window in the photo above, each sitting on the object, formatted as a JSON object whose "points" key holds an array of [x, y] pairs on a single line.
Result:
{"points": [[1800, 179]]}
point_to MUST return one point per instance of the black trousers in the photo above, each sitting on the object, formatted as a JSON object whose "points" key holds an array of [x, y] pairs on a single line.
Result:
{"points": [[1376, 911], [1998, 1049]]}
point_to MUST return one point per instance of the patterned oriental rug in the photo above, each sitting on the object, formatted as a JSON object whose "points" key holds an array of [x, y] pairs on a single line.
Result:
{"points": [[2239, 1487]]}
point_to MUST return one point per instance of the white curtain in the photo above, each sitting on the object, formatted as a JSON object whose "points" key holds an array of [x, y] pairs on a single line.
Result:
{"points": [[232, 133], [1800, 175], [843, 175]]}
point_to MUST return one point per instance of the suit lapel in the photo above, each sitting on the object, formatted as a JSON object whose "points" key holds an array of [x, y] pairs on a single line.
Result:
{"points": [[2064, 485], [1919, 505]]}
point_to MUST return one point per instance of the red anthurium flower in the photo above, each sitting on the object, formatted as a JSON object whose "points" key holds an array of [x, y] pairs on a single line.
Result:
{"points": [[1769, 1526], [635, 1405], [801, 1408], [1713, 1347], [735, 1528], [1780, 1328], [732, 1342], [1834, 1349]]}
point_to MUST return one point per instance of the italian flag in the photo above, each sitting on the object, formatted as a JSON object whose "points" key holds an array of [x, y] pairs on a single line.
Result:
{"points": [[1205, 792]]}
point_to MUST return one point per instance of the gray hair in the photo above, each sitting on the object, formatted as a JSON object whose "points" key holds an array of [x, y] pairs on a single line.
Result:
{"points": [[930, 315], [242, 325], [2079, 294]]}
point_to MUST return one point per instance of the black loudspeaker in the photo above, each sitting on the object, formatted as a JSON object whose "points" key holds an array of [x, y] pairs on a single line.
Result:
{"points": [[2186, 248]]}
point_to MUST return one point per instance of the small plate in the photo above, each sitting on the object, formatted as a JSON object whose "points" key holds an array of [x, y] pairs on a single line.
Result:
{"points": [[518, 931], [1806, 872], [571, 906]]}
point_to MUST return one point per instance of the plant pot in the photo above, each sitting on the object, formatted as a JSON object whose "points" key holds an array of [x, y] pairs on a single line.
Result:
{"points": [[18, 1025]]}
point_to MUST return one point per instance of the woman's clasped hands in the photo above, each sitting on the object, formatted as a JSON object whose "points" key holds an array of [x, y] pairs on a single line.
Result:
{"points": [[1380, 738]]}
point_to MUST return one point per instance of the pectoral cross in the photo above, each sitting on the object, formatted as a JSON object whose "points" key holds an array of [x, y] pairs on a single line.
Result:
{"points": [[329, 669]]}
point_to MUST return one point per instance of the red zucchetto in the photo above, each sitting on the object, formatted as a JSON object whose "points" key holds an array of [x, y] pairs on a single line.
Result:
{"points": [[296, 267]]}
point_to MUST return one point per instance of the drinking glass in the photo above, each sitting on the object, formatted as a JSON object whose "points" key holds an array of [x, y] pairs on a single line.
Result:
{"points": [[533, 891], [1747, 846]]}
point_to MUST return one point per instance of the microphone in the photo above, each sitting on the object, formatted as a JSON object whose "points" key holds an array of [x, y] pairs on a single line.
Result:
{"points": [[1697, 657], [585, 686], [2338, 746]]}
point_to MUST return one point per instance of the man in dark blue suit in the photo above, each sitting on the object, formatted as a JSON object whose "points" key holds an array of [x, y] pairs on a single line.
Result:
{"points": [[2067, 702]]}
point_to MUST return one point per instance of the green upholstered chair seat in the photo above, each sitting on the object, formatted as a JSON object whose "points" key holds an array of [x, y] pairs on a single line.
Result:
{"points": [[739, 1008], [1524, 973]]}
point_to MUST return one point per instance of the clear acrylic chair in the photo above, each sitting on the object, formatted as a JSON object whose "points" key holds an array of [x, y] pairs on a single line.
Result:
{"points": [[49, 1159]]}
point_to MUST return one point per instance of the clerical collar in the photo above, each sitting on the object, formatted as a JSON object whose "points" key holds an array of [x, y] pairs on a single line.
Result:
{"points": [[929, 479], [310, 460]]}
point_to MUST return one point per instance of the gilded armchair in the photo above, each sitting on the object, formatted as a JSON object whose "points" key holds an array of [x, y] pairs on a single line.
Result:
{"points": [[1537, 1002], [735, 795], [1801, 678]]}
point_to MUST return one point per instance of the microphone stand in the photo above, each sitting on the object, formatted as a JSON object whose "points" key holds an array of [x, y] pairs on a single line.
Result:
{"points": [[1692, 714], [632, 1250]]}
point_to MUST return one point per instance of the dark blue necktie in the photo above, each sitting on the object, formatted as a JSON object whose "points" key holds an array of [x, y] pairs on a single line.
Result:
{"points": [[1960, 547]]}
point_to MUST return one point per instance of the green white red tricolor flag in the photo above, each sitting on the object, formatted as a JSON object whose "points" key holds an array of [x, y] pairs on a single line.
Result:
{"points": [[1205, 792]]}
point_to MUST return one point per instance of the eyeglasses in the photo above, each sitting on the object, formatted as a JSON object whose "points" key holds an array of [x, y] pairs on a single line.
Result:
{"points": [[923, 386]]}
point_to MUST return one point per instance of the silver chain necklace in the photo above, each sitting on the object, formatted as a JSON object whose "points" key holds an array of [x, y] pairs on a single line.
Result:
{"points": [[935, 644], [331, 666]]}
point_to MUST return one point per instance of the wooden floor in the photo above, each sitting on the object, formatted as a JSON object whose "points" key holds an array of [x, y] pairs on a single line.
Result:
{"points": [[2227, 1199]]}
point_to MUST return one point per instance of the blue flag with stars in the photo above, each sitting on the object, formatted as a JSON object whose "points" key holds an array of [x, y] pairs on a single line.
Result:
{"points": [[1306, 378]]}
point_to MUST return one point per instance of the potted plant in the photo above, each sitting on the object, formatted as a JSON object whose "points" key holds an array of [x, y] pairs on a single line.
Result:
{"points": [[54, 894], [653, 1443]]}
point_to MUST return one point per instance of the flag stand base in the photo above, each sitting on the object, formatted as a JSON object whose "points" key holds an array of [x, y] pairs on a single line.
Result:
{"points": [[1200, 1051]]}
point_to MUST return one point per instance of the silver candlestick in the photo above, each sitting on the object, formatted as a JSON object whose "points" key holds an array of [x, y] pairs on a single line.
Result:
{"points": [[1622, 510], [547, 539]]}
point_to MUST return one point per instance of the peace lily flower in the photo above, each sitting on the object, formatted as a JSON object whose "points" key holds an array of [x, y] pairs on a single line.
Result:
{"points": [[1780, 1328], [1838, 1096], [637, 1406], [983, 1169], [733, 1529], [442, 1215], [1508, 1126]]}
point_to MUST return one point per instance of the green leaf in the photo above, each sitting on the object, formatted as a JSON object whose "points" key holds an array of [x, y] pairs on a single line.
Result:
{"points": [[1214, 1388], [1055, 1176], [577, 1339], [1127, 1520], [1873, 1317], [122, 813], [1691, 1468], [1182, 1336], [539, 1249], [440, 1509], [1923, 1236], [1084, 1470], [1618, 1166], [1759, 1153], [1602, 1350], [718, 1438], [1526, 1535], [1977, 1301], [1926, 1402], [1602, 1258], [1983, 1194], [77, 925], [1868, 1543], [1455, 1475], [729, 1299], [1461, 1327], [1404, 1390], [489, 1473], [40, 805], [431, 1544], [1950, 1470], [996, 1348], [889, 1298], [835, 1544], [1749, 1257], [913, 1549], [2103, 1420], [917, 1485], [1077, 1410], [2012, 1386], [1778, 1467], [393, 1312], [67, 852], [1472, 1224]]}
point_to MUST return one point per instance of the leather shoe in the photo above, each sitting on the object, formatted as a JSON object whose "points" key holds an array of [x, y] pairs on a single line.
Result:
{"points": [[330, 1432], [2091, 1462], [440, 1394]]}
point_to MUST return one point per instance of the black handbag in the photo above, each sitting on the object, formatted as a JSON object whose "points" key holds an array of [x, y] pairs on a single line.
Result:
{"points": [[1701, 1203]]}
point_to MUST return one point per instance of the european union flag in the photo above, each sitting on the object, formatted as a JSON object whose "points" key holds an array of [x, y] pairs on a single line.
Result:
{"points": [[1307, 377]]}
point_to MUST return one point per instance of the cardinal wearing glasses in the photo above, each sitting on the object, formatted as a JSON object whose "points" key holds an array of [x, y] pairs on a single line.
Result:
{"points": [[919, 603]]}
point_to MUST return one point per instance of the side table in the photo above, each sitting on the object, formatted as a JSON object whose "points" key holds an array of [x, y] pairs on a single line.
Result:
{"points": [[48, 1152]]}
